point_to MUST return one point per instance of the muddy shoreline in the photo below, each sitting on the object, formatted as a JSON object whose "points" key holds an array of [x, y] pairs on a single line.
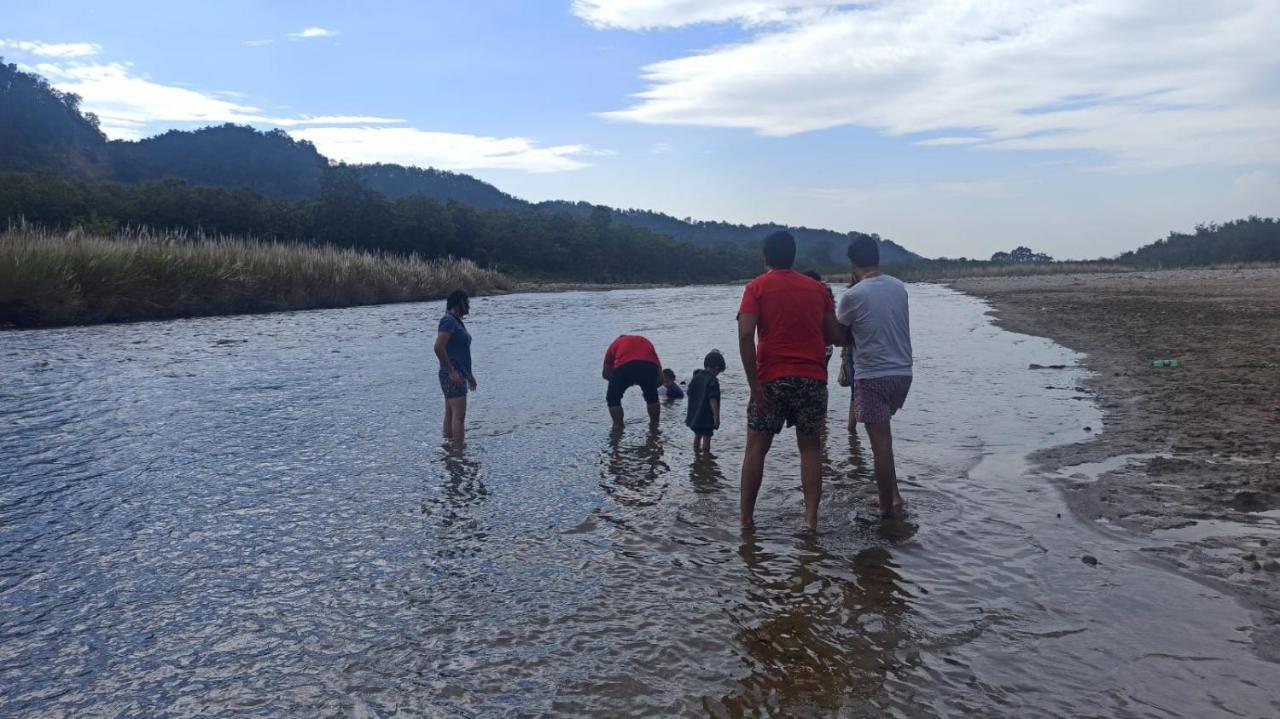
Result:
{"points": [[1192, 455]]}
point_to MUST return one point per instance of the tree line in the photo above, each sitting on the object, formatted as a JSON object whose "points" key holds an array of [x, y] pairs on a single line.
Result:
{"points": [[347, 213]]}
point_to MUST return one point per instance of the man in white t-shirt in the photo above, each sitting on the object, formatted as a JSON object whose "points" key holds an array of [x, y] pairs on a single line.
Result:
{"points": [[876, 313]]}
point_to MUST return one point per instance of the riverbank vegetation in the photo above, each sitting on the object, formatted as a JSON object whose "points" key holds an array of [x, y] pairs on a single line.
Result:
{"points": [[528, 242], [64, 278]]}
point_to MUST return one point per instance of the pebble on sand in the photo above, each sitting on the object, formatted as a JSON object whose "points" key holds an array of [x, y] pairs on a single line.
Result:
{"points": [[1090, 560]]}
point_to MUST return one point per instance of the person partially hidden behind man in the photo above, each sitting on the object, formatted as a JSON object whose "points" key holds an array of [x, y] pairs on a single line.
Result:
{"points": [[785, 322], [875, 311], [632, 360]]}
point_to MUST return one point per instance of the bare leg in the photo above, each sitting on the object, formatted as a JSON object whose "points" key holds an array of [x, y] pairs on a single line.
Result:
{"points": [[448, 419], [655, 411], [616, 414], [881, 438], [853, 419], [758, 444], [458, 413], [810, 446]]}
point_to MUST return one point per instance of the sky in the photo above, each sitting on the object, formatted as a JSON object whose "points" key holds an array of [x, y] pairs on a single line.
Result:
{"points": [[1081, 128]]}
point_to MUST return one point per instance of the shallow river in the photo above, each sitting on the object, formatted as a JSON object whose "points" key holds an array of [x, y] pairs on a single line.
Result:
{"points": [[254, 516]]}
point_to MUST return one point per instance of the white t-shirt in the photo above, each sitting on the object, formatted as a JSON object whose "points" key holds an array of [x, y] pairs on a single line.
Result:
{"points": [[876, 311]]}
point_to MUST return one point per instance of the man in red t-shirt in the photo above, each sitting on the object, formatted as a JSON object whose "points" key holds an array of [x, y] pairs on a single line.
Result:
{"points": [[632, 360], [795, 320]]}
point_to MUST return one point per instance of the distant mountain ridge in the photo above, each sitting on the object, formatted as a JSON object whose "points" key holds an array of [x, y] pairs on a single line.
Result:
{"points": [[43, 130]]}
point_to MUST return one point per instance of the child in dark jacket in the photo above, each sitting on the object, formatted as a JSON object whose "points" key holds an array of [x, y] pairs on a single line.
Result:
{"points": [[703, 414]]}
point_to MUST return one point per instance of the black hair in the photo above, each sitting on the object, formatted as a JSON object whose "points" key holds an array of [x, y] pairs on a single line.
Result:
{"points": [[864, 252], [780, 250], [813, 275], [457, 300], [669, 374], [713, 360]]}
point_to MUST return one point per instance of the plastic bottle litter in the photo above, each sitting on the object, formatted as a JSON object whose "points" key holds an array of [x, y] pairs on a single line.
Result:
{"points": [[1166, 363]]}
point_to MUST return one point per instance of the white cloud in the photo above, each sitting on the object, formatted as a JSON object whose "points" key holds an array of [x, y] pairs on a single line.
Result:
{"points": [[47, 49], [653, 14], [943, 141], [1143, 84], [256, 43], [661, 148], [126, 103], [130, 106], [444, 150], [313, 32]]}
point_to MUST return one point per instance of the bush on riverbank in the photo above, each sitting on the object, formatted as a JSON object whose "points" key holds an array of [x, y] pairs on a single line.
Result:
{"points": [[50, 279]]}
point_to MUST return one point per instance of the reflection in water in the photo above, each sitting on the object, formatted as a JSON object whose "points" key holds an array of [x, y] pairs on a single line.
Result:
{"points": [[460, 530], [819, 632], [632, 471], [163, 553], [705, 475]]}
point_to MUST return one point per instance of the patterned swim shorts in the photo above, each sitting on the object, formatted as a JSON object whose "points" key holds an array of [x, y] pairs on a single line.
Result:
{"points": [[798, 401], [451, 389], [876, 400]]}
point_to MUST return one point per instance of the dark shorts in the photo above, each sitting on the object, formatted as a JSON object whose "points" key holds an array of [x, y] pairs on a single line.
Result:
{"points": [[703, 431], [876, 400], [638, 372], [452, 390], [798, 401]]}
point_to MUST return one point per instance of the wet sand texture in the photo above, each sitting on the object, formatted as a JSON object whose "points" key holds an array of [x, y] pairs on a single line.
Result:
{"points": [[1202, 468]]}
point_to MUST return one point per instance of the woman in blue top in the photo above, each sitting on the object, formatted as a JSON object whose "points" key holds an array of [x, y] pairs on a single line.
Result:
{"points": [[453, 350]]}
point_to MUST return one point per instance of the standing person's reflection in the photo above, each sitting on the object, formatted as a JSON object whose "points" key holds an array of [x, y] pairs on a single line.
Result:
{"points": [[815, 637]]}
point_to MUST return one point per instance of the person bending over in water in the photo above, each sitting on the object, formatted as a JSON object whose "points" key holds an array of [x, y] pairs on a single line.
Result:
{"points": [[670, 388], [632, 360], [794, 319], [875, 310], [703, 413], [453, 350]]}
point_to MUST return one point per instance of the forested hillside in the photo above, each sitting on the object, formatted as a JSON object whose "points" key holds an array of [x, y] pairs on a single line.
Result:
{"points": [[43, 131], [1256, 239], [817, 247]]}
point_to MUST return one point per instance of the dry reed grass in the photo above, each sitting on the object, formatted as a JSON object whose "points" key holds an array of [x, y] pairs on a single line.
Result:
{"points": [[52, 279]]}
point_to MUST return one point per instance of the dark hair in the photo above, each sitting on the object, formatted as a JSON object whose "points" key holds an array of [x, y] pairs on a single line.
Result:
{"points": [[864, 252], [713, 360], [780, 250], [669, 374], [457, 300], [813, 275]]}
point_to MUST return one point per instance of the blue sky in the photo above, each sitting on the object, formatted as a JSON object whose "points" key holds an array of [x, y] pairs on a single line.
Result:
{"points": [[1078, 127]]}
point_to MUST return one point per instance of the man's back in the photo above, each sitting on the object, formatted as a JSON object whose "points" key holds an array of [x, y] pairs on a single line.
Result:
{"points": [[877, 311], [789, 310]]}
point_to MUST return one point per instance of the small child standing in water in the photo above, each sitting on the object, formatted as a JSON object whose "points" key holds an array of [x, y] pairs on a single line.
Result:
{"points": [[671, 389], [703, 414]]}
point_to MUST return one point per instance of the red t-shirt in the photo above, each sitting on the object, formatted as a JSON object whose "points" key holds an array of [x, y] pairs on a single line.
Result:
{"points": [[630, 348], [789, 310]]}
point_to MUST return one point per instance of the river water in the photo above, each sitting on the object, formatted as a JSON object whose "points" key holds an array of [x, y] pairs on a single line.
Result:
{"points": [[255, 516]]}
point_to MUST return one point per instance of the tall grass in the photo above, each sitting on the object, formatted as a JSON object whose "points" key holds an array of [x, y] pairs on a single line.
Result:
{"points": [[50, 279]]}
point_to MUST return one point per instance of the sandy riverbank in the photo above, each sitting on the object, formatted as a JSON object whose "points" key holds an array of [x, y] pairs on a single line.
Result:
{"points": [[1203, 475]]}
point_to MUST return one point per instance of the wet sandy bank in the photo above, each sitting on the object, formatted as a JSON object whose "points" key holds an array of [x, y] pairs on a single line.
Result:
{"points": [[1189, 456]]}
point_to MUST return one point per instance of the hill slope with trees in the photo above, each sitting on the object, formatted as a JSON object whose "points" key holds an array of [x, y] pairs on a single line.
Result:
{"points": [[44, 131]]}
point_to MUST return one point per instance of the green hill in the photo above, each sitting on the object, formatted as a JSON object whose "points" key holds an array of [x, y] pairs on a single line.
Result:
{"points": [[43, 130]]}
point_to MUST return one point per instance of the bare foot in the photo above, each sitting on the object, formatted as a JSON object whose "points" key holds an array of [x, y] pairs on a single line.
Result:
{"points": [[899, 506]]}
